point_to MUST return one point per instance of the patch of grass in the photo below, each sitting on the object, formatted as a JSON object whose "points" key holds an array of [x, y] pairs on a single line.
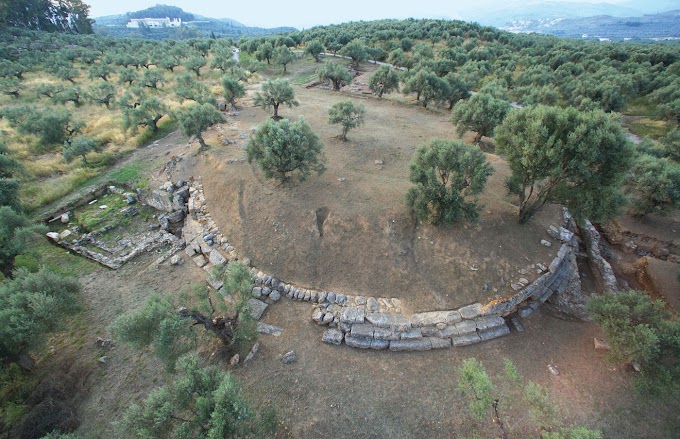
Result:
{"points": [[38, 193], [640, 107], [133, 174], [92, 217], [59, 260], [650, 128], [304, 78], [165, 126]]}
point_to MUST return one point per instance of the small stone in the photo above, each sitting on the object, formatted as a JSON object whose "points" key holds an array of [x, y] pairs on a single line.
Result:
{"points": [[275, 296], [553, 370], [65, 218], [340, 298], [328, 318], [636, 366], [525, 312], [234, 360], [516, 287], [317, 315], [524, 281], [379, 162], [286, 289], [257, 292], [440, 326], [372, 304], [331, 297], [200, 260], [546, 243], [252, 353], [553, 232], [323, 296], [360, 300], [176, 260], [264, 328], [257, 308], [471, 311], [266, 291], [65, 234], [289, 357], [103, 359]]}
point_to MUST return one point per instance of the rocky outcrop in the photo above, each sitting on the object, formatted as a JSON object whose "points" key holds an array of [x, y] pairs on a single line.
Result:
{"points": [[604, 274]]}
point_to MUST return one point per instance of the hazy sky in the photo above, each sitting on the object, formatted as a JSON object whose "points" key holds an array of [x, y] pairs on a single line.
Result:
{"points": [[306, 13]]}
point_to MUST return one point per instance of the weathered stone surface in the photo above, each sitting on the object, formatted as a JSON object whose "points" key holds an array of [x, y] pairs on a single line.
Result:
{"points": [[200, 260], [379, 344], [464, 340], [433, 318], [266, 291], [323, 296], [546, 243], [264, 328], [257, 292], [358, 342], [257, 308], [466, 327], [353, 314], [388, 320], [410, 345], [217, 259], [65, 234], [275, 295], [487, 322], [449, 331], [189, 250], [362, 330], [331, 297], [340, 299], [289, 357], [54, 236], [384, 334], [604, 275], [601, 344], [412, 334], [317, 315], [176, 260], [214, 281], [525, 311], [494, 332], [328, 318], [439, 343], [360, 300], [372, 304], [471, 311], [333, 336]]}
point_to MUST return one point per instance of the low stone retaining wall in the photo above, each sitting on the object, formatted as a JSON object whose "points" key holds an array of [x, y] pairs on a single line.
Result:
{"points": [[383, 323]]}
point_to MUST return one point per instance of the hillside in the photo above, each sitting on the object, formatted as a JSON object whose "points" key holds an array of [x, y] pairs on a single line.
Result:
{"points": [[193, 25], [662, 25]]}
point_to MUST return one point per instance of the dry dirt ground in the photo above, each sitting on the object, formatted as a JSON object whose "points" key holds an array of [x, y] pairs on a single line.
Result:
{"points": [[348, 230]]}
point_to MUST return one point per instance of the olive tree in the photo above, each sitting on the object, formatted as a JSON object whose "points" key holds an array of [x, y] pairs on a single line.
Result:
{"points": [[198, 118], [283, 55], [563, 155], [481, 113], [232, 89], [274, 93], [654, 184], [282, 148], [79, 147], [335, 73], [384, 80], [315, 49], [347, 114], [448, 175], [356, 50]]}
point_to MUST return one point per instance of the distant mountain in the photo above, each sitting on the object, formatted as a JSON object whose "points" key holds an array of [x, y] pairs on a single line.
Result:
{"points": [[662, 25], [193, 25]]}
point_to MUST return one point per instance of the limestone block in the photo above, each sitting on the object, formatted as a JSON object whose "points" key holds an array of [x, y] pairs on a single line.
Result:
{"points": [[385, 334], [496, 332], [468, 339], [471, 311], [353, 314], [412, 334], [200, 260], [257, 308], [333, 336], [489, 322], [439, 343], [410, 345], [466, 327], [216, 258], [379, 344], [362, 330], [358, 342], [434, 317]]}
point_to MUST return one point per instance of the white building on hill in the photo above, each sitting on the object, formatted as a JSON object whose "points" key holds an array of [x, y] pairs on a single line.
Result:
{"points": [[154, 23]]}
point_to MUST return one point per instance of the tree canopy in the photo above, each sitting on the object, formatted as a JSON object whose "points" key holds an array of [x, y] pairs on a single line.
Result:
{"points": [[563, 155], [198, 118], [448, 175], [334, 72], [284, 148], [481, 113], [348, 114], [274, 93]]}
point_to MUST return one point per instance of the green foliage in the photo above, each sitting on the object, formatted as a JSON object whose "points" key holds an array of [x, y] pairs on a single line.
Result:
{"points": [[31, 306], [283, 55], [66, 16], [273, 94], [16, 232], [457, 89], [151, 78], [427, 85], [200, 402], [671, 142], [102, 71], [476, 385], [314, 48], [283, 148], [68, 94], [334, 72], [448, 175], [9, 187], [347, 114], [103, 93], [223, 60], [10, 87], [147, 114], [194, 64], [539, 404], [563, 155], [52, 126], [511, 371], [127, 75], [481, 113], [232, 89], [384, 80], [198, 118], [264, 52], [640, 330], [654, 184], [356, 50], [573, 433], [79, 147], [187, 87]]}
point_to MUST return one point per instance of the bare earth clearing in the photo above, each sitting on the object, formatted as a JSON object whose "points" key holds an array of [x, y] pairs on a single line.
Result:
{"points": [[348, 230]]}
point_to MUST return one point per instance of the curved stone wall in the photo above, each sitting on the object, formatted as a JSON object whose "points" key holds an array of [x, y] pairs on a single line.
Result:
{"points": [[385, 323]]}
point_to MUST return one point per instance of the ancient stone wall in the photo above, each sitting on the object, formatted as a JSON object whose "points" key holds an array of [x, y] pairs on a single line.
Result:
{"points": [[384, 323]]}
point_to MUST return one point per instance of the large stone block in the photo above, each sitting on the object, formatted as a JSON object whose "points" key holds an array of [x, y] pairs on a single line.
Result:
{"points": [[389, 320], [495, 332], [256, 308], [333, 336], [471, 311], [439, 343], [362, 330], [358, 342], [412, 334], [379, 344], [385, 334], [216, 258], [410, 345], [353, 314], [466, 327], [449, 331], [464, 340], [432, 318], [489, 322]]}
